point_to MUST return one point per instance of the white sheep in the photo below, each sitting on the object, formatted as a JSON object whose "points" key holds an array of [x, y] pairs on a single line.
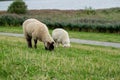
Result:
{"points": [[32, 28], [61, 36]]}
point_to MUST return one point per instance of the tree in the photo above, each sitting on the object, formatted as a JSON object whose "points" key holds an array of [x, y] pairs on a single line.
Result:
{"points": [[18, 6]]}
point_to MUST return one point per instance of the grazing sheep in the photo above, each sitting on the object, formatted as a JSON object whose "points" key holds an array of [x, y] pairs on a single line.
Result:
{"points": [[35, 29], [61, 36]]}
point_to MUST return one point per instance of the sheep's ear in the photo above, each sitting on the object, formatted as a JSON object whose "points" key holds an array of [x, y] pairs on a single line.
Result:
{"points": [[52, 43]]}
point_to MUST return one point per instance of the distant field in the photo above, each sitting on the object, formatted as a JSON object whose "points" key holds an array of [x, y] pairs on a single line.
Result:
{"points": [[85, 62], [110, 37], [88, 20]]}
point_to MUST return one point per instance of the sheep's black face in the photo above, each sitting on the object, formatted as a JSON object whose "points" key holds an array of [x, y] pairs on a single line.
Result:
{"points": [[50, 46]]}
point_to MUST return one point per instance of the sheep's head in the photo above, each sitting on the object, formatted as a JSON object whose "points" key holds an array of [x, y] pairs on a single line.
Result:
{"points": [[66, 43], [49, 46]]}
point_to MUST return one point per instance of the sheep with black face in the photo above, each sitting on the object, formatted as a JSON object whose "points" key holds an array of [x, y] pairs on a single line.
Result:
{"points": [[36, 30]]}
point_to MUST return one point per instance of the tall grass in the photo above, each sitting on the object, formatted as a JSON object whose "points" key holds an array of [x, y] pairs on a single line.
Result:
{"points": [[78, 62], [89, 20]]}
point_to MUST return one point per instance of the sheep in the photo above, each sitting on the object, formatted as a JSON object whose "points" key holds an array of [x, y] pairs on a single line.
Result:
{"points": [[36, 30], [60, 36]]}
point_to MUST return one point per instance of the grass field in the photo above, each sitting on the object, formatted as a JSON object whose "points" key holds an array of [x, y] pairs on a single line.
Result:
{"points": [[110, 37], [80, 62]]}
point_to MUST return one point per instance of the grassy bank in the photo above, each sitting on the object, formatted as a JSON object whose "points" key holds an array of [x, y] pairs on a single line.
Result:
{"points": [[89, 20], [110, 37], [17, 62]]}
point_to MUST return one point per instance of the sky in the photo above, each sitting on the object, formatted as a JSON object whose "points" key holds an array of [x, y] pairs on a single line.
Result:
{"points": [[65, 4]]}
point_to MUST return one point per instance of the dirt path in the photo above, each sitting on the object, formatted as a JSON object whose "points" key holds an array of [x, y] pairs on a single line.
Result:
{"points": [[81, 41]]}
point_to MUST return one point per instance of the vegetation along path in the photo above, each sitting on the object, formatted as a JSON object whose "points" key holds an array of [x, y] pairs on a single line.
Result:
{"points": [[111, 44]]}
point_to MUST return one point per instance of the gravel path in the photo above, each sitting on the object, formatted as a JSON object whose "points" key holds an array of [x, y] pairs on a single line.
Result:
{"points": [[81, 41]]}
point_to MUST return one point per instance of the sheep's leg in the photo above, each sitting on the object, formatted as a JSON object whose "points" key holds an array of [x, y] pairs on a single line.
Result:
{"points": [[57, 44], [35, 41], [29, 42]]}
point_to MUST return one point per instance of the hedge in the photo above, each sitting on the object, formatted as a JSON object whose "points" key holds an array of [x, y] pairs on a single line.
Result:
{"points": [[81, 25], [11, 20]]}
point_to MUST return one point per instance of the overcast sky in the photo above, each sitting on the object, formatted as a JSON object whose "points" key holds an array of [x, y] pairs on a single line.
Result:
{"points": [[73, 4], [65, 4]]}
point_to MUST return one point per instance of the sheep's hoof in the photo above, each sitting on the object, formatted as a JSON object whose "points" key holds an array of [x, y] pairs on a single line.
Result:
{"points": [[29, 47], [46, 48], [35, 47]]}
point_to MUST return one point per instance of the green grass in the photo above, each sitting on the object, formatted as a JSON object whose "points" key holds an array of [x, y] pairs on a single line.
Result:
{"points": [[74, 34], [11, 29], [80, 62], [109, 37]]}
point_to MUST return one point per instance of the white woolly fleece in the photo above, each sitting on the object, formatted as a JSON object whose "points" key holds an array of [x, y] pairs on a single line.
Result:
{"points": [[37, 30], [61, 36]]}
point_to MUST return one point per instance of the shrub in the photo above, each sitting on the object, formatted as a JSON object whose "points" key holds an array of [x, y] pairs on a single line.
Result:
{"points": [[11, 20], [89, 10], [18, 6]]}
